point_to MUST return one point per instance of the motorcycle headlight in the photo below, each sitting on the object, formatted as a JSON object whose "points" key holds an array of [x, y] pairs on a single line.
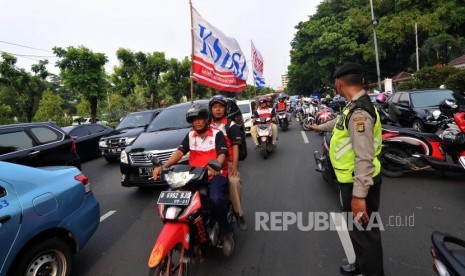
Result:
{"points": [[178, 179], [124, 157], [102, 144], [129, 140]]}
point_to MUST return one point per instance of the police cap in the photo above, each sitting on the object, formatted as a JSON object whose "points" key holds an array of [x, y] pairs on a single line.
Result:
{"points": [[348, 68]]}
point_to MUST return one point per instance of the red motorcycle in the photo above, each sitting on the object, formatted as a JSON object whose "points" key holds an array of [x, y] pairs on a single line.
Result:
{"points": [[323, 115], [407, 150], [189, 230]]}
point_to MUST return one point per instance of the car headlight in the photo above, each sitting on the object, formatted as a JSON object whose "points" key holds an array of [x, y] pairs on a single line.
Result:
{"points": [[102, 144], [129, 140], [124, 157]]}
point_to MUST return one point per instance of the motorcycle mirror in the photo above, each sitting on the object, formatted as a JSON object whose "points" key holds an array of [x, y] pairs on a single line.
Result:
{"points": [[214, 164], [436, 114], [155, 161]]}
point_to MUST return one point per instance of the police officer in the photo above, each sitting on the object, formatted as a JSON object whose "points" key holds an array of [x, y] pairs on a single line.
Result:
{"points": [[354, 147]]}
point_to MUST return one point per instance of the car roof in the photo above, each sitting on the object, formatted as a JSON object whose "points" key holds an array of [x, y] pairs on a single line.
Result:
{"points": [[30, 124], [203, 101], [242, 102], [425, 90]]}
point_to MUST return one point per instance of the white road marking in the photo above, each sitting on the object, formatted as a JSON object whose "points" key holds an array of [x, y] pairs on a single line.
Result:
{"points": [[102, 218], [341, 227], [304, 136]]}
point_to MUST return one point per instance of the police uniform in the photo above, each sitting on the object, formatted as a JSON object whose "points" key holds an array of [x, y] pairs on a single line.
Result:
{"points": [[355, 145]]}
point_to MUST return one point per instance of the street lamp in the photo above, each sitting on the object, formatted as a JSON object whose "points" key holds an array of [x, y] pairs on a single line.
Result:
{"points": [[374, 23]]}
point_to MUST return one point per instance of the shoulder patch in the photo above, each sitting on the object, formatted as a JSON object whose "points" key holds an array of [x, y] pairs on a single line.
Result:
{"points": [[360, 127]]}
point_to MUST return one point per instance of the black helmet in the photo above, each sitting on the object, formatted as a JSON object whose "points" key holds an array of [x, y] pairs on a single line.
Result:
{"points": [[197, 110], [449, 106], [217, 99]]}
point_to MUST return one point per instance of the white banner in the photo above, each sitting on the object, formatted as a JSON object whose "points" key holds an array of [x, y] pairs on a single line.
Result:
{"points": [[218, 60]]}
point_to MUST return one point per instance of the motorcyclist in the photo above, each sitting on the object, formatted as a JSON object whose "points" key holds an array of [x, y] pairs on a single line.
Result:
{"points": [[204, 144], [233, 137], [264, 111], [281, 105]]}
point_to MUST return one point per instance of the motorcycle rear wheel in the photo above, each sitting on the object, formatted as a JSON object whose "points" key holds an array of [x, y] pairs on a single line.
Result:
{"points": [[180, 263], [390, 168]]}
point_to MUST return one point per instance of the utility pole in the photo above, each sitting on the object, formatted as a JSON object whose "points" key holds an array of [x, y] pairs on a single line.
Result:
{"points": [[374, 22], [416, 42]]}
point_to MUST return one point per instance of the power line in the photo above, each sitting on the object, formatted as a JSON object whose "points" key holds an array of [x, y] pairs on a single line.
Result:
{"points": [[25, 46], [22, 55]]}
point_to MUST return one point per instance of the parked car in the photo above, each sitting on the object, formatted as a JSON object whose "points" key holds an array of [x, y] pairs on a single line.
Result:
{"points": [[416, 105], [46, 215], [246, 110], [162, 137], [37, 144], [87, 139], [112, 144]]}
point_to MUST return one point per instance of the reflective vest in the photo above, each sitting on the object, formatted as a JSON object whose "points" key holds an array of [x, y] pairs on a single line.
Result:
{"points": [[341, 152]]}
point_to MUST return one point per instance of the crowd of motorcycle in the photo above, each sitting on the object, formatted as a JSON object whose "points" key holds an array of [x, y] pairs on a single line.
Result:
{"points": [[404, 150]]}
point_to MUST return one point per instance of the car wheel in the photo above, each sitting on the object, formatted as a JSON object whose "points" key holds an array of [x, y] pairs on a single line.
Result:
{"points": [[47, 257], [418, 125]]}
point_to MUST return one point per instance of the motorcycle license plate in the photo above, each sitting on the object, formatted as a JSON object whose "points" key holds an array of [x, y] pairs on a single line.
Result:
{"points": [[174, 198], [462, 161]]}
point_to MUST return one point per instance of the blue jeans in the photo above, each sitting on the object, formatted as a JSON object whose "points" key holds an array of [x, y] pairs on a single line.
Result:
{"points": [[218, 190]]}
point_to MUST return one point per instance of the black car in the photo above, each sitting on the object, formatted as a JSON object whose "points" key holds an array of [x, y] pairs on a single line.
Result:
{"points": [[37, 144], [133, 124], [87, 138], [416, 106], [161, 139]]}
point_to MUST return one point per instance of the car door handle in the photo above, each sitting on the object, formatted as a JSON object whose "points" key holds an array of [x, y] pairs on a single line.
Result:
{"points": [[4, 219], [34, 153]]}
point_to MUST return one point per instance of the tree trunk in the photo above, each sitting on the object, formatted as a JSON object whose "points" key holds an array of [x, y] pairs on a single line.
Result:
{"points": [[93, 109]]}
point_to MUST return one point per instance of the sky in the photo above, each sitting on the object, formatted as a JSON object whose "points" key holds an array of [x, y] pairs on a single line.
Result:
{"points": [[104, 26]]}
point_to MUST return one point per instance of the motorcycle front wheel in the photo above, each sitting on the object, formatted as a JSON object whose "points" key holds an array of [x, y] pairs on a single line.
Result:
{"points": [[265, 150], [177, 262], [307, 123]]}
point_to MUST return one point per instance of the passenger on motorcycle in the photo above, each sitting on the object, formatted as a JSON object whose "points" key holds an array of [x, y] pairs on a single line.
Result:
{"points": [[204, 144], [281, 105], [264, 111], [232, 134]]}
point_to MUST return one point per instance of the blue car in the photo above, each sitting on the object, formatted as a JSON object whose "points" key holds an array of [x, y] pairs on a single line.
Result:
{"points": [[46, 215]]}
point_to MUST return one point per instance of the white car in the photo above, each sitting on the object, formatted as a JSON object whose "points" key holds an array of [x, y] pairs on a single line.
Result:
{"points": [[246, 109]]}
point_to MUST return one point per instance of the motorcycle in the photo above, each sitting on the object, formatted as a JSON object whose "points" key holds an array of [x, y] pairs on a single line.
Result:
{"points": [[324, 166], [447, 262], [264, 135], [324, 115], [283, 119], [407, 150], [309, 115], [189, 230]]}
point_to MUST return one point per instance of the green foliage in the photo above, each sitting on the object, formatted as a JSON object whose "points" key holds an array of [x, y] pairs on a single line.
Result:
{"points": [[83, 72], [6, 114], [151, 66], [432, 77], [342, 30], [456, 82], [50, 108]]}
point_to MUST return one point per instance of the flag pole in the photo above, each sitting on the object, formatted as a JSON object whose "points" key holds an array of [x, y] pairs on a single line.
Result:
{"points": [[253, 69], [192, 53]]}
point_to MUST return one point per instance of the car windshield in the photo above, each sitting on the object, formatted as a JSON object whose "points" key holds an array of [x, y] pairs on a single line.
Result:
{"points": [[433, 98], [68, 129], [170, 118], [135, 120], [245, 108]]}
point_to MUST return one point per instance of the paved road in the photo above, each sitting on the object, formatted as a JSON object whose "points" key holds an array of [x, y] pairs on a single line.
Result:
{"points": [[411, 208]]}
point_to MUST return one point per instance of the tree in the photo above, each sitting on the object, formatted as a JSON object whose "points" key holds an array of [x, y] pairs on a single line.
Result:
{"points": [[83, 72], [150, 68], [50, 108], [124, 76], [28, 87], [176, 80], [456, 82]]}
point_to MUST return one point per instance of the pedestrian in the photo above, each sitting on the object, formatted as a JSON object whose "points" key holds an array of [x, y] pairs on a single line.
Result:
{"points": [[354, 149]]}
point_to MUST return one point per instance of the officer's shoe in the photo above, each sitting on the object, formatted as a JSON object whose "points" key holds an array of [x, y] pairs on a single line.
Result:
{"points": [[228, 244], [350, 269]]}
